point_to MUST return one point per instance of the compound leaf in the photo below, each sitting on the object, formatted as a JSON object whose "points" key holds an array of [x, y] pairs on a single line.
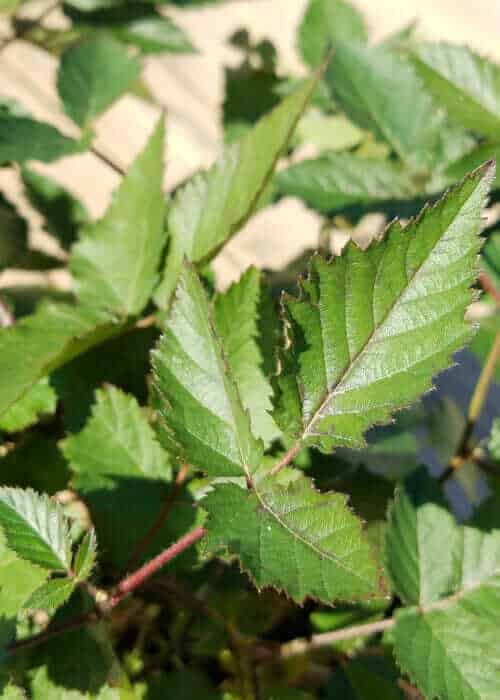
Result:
{"points": [[115, 262], [214, 205], [35, 528], [466, 84], [236, 315], [294, 538], [92, 75], [205, 422], [372, 327]]}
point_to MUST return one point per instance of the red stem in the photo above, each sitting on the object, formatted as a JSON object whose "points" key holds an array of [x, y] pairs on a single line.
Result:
{"points": [[130, 583]]}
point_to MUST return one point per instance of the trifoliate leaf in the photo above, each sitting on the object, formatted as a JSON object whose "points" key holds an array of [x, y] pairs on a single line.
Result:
{"points": [[466, 84], [85, 556], [293, 538], [372, 327], [92, 75], [35, 528], [326, 22], [214, 205], [49, 338], [204, 418], [63, 213], [117, 440], [380, 90], [236, 314], [40, 400], [421, 568], [338, 180], [23, 139], [115, 262], [51, 595]]}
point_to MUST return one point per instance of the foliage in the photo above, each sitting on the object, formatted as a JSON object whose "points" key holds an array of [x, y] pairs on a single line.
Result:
{"points": [[219, 493]]}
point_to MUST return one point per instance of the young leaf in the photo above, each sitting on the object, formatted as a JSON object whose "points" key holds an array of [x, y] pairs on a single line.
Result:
{"points": [[293, 538], [204, 418], [85, 556], [41, 399], [117, 439], [63, 213], [236, 315], [372, 327], [466, 84], [338, 180], [380, 90], [35, 528], [49, 338], [23, 139], [421, 568], [115, 262], [51, 595], [325, 22], [92, 75], [214, 205]]}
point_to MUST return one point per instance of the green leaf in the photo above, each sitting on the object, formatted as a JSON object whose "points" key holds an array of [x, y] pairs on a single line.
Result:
{"points": [[23, 139], [115, 262], [473, 158], [494, 441], [51, 595], [372, 327], [62, 212], [236, 315], [35, 528], [335, 181], [380, 90], [491, 257], [137, 24], [50, 337], [332, 132], [18, 580], [421, 568], [92, 75], [85, 556], [14, 241], [365, 678], [452, 652], [325, 23], [205, 422], [187, 684], [117, 440], [466, 84], [21, 466], [294, 538], [40, 400], [214, 205]]}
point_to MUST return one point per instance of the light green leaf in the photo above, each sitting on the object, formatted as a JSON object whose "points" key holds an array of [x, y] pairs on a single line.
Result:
{"points": [[41, 399], [51, 595], [421, 568], [85, 556], [338, 180], [466, 84], [35, 528], [62, 212], [325, 22], [214, 205], [372, 327], [49, 338], [380, 90], [23, 139], [204, 419], [294, 538], [117, 440], [18, 580], [115, 262], [236, 315], [92, 75]]}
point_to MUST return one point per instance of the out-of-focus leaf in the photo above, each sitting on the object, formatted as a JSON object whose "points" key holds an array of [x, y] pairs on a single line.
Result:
{"points": [[23, 139], [328, 132], [21, 465], [365, 678]]}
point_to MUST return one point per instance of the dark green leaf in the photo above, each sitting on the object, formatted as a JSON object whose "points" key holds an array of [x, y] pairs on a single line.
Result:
{"points": [[85, 556], [365, 678], [23, 139]]}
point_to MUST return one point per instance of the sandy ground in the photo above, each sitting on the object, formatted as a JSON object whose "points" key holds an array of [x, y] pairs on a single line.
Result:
{"points": [[190, 89]]}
